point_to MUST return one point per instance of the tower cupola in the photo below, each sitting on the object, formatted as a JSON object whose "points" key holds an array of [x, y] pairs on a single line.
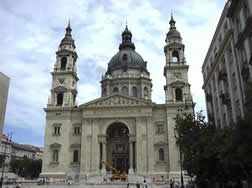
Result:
{"points": [[68, 40], [173, 33], [127, 40]]}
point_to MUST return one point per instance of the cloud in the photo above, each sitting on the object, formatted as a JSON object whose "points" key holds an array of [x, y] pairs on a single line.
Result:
{"points": [[32, 31]]}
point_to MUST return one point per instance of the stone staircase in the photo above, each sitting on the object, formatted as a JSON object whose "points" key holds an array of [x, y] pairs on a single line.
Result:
{"points": [[104, 179]]}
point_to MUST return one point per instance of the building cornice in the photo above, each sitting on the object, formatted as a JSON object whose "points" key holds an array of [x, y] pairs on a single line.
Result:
{"points": [[224, 43], [216, 34]]}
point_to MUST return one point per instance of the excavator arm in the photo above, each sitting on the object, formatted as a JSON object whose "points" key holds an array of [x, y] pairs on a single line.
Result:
{"points": [[109, 166], [116, 173]]}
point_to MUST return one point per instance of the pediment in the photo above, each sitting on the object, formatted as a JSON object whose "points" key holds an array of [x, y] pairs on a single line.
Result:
{"points": [[60, 89], [178, 83], [55, 145], [161, 143], [116, 100]]}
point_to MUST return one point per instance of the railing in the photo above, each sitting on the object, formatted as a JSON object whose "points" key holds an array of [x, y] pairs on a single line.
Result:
{"points": [[63, 69], [124, 75]]}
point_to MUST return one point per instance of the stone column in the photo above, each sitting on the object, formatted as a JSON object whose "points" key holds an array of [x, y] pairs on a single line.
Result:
{"points": [[132, 139], [131, 171], [85, 151], [104, 150], [104, 157]]}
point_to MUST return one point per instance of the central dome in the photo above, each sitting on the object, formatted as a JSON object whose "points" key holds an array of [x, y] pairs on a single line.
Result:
{"points": [[127, 57]]}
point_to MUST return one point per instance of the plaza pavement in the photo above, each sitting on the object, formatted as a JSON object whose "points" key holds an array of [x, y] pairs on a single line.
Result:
{"points": [[84, 186]]}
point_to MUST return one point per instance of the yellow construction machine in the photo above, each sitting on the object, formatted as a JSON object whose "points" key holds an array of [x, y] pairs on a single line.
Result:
{"points": [[116, 173]]}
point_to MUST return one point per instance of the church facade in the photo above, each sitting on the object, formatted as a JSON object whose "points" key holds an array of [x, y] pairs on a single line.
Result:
{"points": [[123, 127]]}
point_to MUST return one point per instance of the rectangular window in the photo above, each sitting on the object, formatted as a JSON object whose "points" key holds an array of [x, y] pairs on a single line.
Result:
{"points": [[159, 127], [238, 24], [55, 155], [234, 81], [225, 27], [250, 44], [76, 156], [57, 130], [230, 55], [77, 130], [220, 39], [161, 154], [238, 109]]}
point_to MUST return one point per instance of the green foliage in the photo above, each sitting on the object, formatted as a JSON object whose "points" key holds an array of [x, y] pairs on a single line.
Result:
{"points": [[216, 155], [26, 167]]}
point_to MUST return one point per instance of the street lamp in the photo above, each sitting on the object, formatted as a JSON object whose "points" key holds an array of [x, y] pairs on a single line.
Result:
{"points": [[181, 166], [188, 101], [3, 165]]}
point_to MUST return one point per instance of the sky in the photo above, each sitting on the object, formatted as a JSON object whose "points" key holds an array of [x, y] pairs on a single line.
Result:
{"points": [[31, 32]]}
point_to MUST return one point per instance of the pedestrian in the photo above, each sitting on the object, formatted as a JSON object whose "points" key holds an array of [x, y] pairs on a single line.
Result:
{"points": [[171, 183], [137, 185], [18, 185], [144, 184], [128, 185]]}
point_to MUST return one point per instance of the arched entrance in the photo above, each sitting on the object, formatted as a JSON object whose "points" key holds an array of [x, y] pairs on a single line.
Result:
{"points": [[118, 146]]}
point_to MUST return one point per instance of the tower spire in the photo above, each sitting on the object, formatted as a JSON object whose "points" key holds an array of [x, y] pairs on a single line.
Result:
{"points": [[172, 23], [69, 24], [68, 29]]}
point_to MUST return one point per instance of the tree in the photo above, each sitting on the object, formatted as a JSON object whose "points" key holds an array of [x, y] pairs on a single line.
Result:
{"points": [[26, 167], [215, 155], [197, 140]]}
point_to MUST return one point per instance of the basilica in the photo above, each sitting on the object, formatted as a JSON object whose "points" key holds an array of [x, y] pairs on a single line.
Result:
{"points": [[123, 127]]}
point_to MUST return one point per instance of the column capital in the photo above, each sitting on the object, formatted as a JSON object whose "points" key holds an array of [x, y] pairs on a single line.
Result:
{"points": [[132, 138], [132, 135], [102, 138]]}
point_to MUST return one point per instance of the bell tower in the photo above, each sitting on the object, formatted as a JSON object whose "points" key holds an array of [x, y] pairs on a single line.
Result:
{"points": [[177, 88], [64, 75]]}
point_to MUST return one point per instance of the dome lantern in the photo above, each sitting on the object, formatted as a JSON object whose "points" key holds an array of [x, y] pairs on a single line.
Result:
{"points": [[127, 40]]}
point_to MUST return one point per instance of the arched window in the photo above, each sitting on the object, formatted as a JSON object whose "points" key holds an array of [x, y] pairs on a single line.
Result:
{"points": [[63, 63], [134, 91], [74, 99], [60, 99], [115, 89], [175, 56], [146, 93], [125, 90], [178, 93], [161, 154], [55, 155], [76, 156], [125, 57]]}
